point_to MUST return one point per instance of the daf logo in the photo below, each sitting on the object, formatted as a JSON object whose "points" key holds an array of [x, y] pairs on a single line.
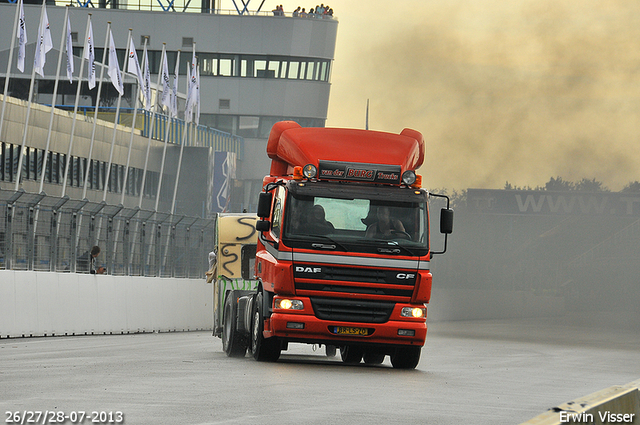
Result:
{"points": [[301, 269], [405, 276]]}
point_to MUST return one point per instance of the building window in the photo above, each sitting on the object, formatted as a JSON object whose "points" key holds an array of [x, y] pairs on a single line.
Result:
{"points": [[2, 161], [55, 168], [209, 65], [244, 66], [248, 127], [294, 68], [226, 66]]}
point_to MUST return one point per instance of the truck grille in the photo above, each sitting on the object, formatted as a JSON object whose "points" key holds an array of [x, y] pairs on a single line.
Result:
{"points": [[352, 310], [322, 280]]}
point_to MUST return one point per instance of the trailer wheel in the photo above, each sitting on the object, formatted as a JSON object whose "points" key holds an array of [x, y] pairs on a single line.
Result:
{"points": [[263, 349], [351, 354], [232, 342], [406, 357]]}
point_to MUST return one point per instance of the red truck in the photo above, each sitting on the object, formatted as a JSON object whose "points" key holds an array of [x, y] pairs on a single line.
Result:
{"points": [[343, 249]]}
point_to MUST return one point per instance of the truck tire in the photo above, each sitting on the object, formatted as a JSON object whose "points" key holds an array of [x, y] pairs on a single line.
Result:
{"points": [[263, 349], [406, 357], [372, 357], [234, 344], [351, 354]]}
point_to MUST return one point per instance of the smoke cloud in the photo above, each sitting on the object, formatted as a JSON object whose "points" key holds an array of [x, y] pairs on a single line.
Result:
{"points": [[518, 91]]}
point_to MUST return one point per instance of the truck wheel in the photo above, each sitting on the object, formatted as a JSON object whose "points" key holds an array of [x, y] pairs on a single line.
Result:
{"points": [[406, 357], [232, 342], [373, 358], [351, 354], [263, 349]]}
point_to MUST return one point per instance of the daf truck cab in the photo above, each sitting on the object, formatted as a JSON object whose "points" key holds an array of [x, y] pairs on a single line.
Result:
{"points": [[343, 248]]}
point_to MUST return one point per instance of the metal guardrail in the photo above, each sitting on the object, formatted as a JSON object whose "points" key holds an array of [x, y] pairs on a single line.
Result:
{"points": [[183, 6], [47, 233], [617, 404]]}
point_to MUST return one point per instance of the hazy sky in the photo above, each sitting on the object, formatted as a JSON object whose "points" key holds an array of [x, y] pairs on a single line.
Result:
{"points": [[516, 91]]}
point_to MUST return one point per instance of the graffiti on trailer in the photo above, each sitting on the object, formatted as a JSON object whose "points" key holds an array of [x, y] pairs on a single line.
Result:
{"points": [[228, 258], [249, 224], [234, 233], [236, 284]]}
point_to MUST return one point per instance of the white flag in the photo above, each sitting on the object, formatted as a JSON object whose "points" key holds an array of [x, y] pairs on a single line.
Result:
{"points": [[166, 80], [146, 88], [188, 108], [191, 71], [90, 55], [191, 88], [133, 66], [174, 89], [22, 36], [198, 95], [69, 52], [44, 43], [114, 66]]}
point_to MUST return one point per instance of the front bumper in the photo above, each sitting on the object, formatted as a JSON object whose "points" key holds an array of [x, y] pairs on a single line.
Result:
{"points": [[304, 326]]}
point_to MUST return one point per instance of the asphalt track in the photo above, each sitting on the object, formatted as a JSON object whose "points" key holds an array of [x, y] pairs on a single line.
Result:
{"points": [[481, 372]]}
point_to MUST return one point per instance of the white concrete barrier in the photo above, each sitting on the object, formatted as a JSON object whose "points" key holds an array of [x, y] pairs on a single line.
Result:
{"points": [[43, 304]]}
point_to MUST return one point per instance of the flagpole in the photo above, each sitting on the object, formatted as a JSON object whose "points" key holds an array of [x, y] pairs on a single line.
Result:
{"points": [[26, 121], [187, 120], [153, 119], [133, 126], [175, 187], [188, 116], [53, 102], [95, 112], [115, 128], [166, 138], [6, 79], [75, 107]]}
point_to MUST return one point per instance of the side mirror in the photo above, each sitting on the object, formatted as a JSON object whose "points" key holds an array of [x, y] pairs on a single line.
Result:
{"points": [[264, 205], [263, 225], [446, 221]]}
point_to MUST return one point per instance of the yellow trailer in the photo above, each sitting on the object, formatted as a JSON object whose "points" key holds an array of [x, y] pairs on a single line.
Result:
{"points": [[236, 239]]}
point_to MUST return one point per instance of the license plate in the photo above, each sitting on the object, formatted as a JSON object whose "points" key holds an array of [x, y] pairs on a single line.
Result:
{"points": [[344, 330]]}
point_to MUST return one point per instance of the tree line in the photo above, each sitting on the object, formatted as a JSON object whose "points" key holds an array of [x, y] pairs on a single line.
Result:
{"points": [[459, 197], [583, 185]]}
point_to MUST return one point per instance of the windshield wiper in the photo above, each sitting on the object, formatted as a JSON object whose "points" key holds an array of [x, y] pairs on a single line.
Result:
{"points": [[318, 245], [392, 247], [331, 246]]}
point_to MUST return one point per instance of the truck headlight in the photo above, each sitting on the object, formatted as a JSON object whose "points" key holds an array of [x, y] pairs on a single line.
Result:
{"points": [[413, 312], [287, 304], [409, 177], [309, 171]]}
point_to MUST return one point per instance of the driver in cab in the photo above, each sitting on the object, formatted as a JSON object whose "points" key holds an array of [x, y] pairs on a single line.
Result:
{"points": [[386, 227]]}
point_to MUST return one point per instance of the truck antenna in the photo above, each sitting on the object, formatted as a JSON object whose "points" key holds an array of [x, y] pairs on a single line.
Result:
{"points": [[366, 121]]}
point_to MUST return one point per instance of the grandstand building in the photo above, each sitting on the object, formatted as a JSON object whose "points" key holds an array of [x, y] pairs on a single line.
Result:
{"points": [[255, 69]]}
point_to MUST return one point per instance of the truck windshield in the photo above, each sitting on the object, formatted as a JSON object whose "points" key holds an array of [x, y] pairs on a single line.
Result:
{"points": [[365, 219]]}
